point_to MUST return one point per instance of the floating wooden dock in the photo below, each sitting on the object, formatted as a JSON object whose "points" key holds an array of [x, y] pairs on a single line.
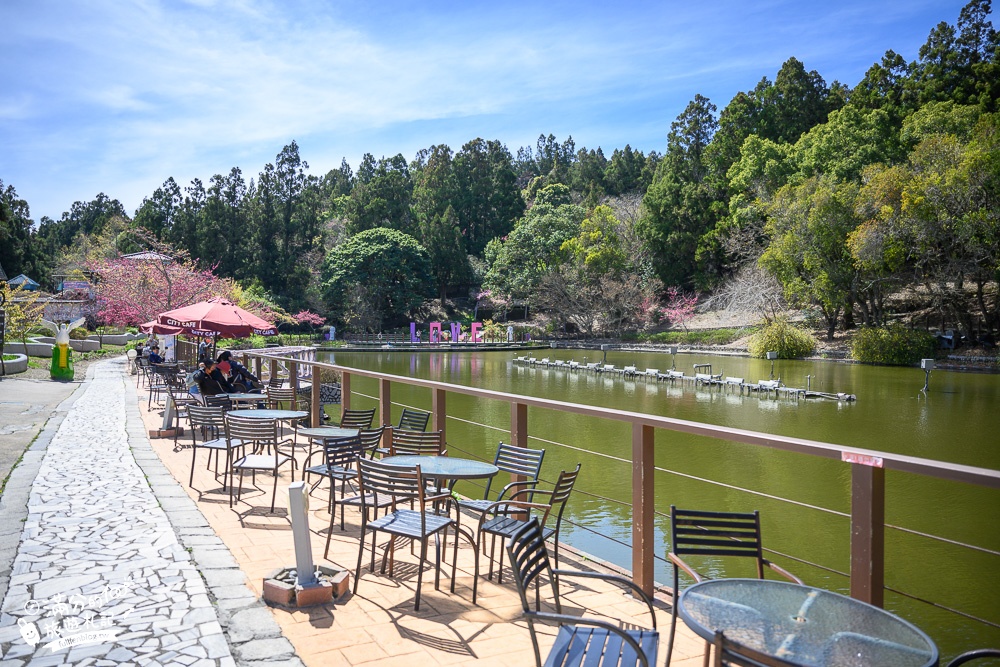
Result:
{"points": [[709, 380]]}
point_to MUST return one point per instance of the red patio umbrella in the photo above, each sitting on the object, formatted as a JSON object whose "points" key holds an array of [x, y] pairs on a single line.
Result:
{"points": [[217, 316], [154, 327]]}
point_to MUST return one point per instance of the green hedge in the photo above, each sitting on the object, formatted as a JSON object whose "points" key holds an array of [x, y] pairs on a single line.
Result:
{"points": [[894, 345], [782, 337], [699, 337]]}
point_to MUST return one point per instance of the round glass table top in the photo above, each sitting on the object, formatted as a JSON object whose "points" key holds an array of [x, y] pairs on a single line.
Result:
{"points": [[446, 467], [270, 414], [246, 397], [329, 432], [805, 625]]}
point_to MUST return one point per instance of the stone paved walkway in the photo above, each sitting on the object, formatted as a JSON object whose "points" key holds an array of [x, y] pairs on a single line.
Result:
{"points": [[100, 576]]}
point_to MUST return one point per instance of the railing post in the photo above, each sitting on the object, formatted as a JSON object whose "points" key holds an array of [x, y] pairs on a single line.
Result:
{"points": [[385, 410], [868, 533], [315, 407], [519, 424], [345, 392], [643, 538], [257, 364], [293, 382], [272, 368], [438, 411]]}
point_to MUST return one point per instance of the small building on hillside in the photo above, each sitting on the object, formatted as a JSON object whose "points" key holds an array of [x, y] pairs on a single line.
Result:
{"points": [[24, 282]]}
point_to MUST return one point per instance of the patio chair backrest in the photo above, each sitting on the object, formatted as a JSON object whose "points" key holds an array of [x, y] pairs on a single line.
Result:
{"points": [[529, 559], [413, 420], [275, 383], [251, 429], [211, 421], [371, 438], [728, 652], [380, 482], [219, 401], [417, 443], [564, 487], [357, 419], [277, 395], [342, 452], [700, 533], [515, 460]]}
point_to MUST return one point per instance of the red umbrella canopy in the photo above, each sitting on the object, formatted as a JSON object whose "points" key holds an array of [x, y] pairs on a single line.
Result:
{"points": [[220, 316], [154, 327]]}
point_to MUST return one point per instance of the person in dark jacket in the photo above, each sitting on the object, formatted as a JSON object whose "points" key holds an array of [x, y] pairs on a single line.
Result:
{"points": [[154, 355], [238, 373], [211, 381]]}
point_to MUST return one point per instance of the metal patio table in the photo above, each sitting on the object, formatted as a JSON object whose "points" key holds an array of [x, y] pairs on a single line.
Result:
{"points": [[807, 626], [246, 398], [445, 468]]}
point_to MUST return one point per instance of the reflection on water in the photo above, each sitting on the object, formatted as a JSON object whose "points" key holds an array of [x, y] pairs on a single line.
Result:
{"points": [[956, 421]]}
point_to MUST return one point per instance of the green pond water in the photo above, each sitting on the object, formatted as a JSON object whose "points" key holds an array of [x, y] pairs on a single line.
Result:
{"points": [[958, 420]]}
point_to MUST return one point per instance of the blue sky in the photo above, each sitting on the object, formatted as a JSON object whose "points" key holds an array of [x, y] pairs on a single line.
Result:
{"points": [[116, 96]]}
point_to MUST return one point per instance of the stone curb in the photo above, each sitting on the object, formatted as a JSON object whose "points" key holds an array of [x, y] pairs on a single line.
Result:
{"points": [[14, 501], [250, 629]]}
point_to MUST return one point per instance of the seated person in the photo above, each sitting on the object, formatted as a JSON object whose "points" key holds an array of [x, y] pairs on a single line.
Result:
{"points": [[239, 373], [211, 381], [154, 355]]}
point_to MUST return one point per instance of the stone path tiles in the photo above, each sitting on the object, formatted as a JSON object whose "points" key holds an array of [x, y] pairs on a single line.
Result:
{"points": [[100, 576]]}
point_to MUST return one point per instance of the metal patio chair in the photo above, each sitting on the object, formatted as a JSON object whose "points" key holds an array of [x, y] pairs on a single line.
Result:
{"points": [[580, 640], [721, 534], [382, 482], [339, 459], [262, 434], [211, 423], [521, 461], [182, 400], [728, 652], [504, 518]]}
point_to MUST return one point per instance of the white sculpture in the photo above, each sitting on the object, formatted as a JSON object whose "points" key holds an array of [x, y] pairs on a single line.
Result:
{"points": [[62, 356]]}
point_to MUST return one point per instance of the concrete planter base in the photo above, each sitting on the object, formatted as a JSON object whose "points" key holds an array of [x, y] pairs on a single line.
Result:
{"points": [[17, 365], [280, 587]]}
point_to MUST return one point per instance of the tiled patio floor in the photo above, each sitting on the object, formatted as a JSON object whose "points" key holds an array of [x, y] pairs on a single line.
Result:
{"points": [[378, 625]]}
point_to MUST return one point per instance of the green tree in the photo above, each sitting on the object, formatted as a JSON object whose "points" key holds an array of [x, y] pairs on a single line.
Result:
{"points": [[681, 204], [391, 268], [517, 263], [20, 250], [382, 196], [488, 199], [808, 228], [959, 63]]}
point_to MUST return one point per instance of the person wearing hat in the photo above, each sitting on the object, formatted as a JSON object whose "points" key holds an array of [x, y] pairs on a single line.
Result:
{"points": [[154, 355]]}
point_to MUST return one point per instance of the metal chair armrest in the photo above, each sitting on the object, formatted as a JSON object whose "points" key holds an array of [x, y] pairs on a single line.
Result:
{"points": [[679, 562], [614, 578], [566, 619], [528, 484], [517, 504], [530, 493], [785, 573], [309, 458]]}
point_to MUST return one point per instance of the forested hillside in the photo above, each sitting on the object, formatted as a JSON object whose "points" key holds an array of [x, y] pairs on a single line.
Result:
{"points": [[828, 195]]}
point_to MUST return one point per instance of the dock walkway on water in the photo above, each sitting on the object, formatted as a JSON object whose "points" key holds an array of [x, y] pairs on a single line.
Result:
{"points": [[765, 388]]}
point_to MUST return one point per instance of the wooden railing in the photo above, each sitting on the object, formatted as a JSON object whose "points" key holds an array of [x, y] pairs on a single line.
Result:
{"points": [[867, 466]]}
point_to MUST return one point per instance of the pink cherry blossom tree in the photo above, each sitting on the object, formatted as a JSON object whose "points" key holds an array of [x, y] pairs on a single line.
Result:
{"points": [[679, 307]]}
